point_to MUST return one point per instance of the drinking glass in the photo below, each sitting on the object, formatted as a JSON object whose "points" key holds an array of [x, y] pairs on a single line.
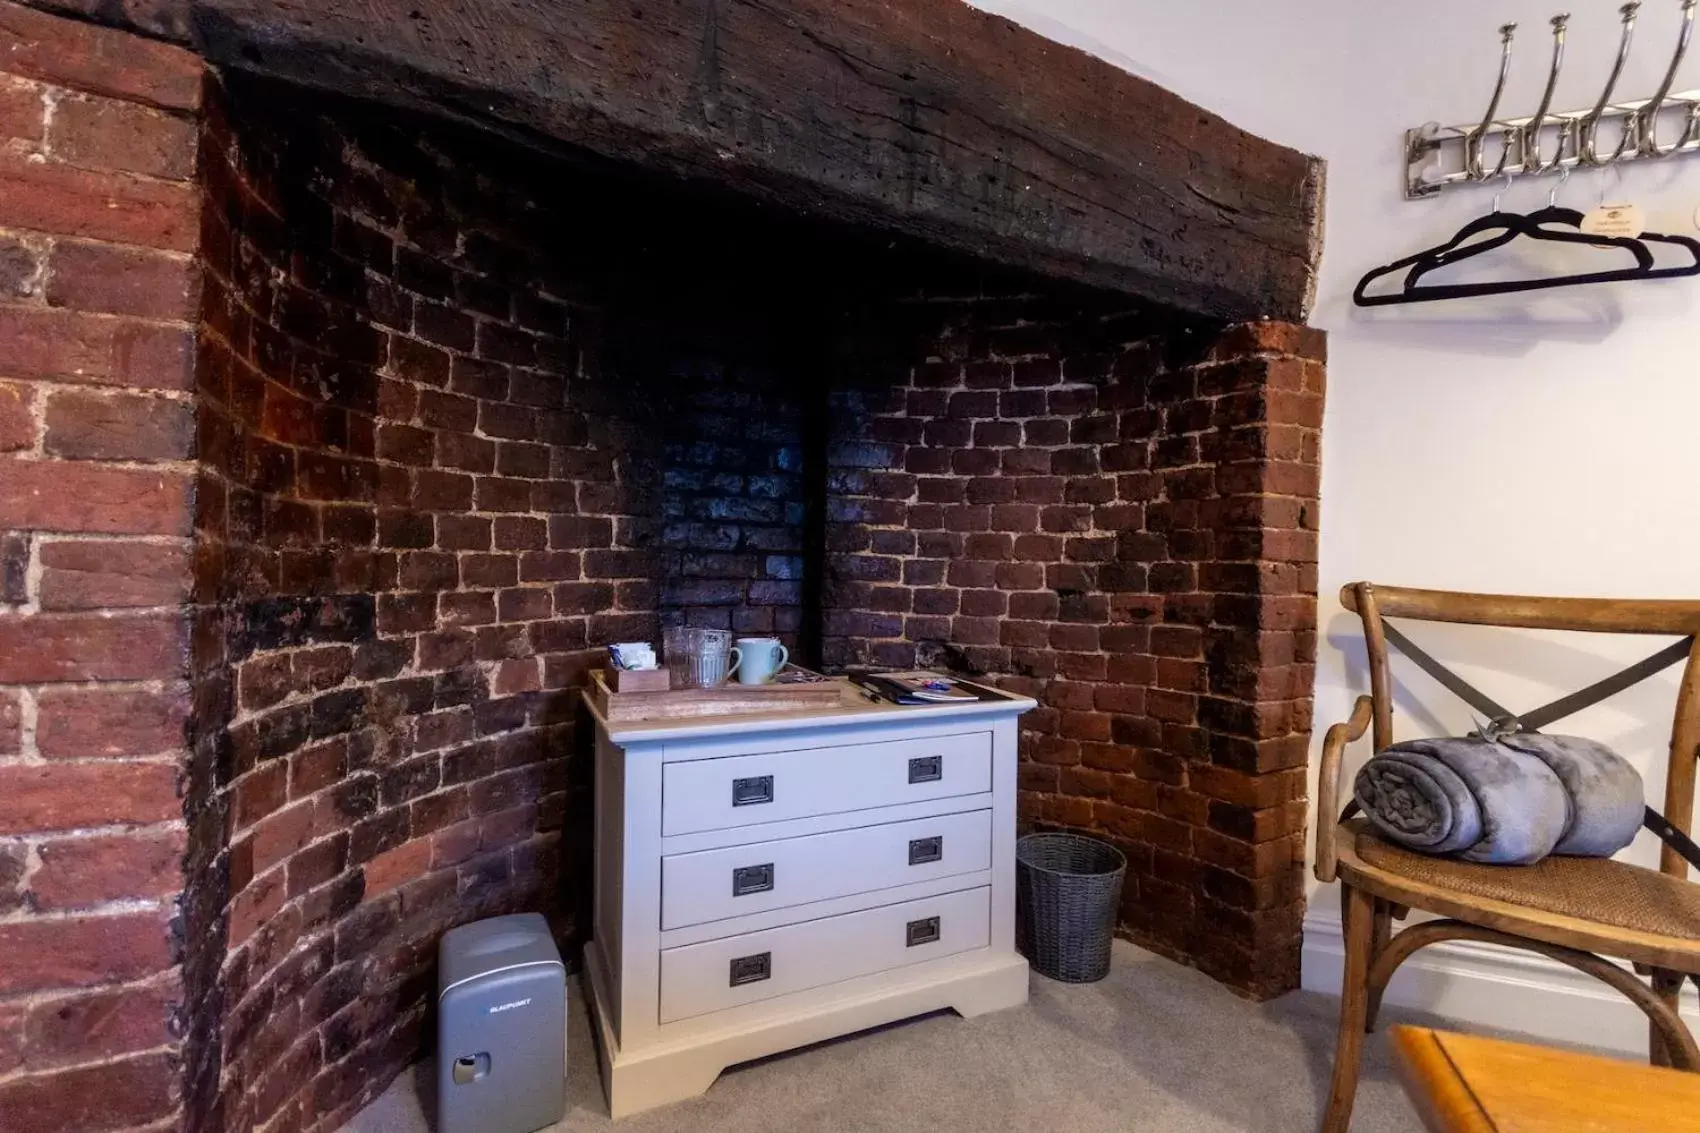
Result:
{"points": [[697, 658]]}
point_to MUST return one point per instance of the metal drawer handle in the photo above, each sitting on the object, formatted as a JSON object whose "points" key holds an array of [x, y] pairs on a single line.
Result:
{"points": [[922, 932], [752, 879], [752, 969], [925, 850], [926, 769], [752, 792]]}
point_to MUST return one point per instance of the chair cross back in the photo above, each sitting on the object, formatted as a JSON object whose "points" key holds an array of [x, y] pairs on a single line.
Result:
{"points": [[1536, 719]]}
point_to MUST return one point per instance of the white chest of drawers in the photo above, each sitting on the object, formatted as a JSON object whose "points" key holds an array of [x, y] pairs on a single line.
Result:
{"points": [[763, 883]]}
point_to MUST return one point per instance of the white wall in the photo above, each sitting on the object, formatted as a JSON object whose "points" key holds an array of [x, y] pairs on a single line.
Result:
{"points": [[1540, 444]]}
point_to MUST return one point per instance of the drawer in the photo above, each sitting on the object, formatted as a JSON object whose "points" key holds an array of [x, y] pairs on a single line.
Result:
{"points": [[744, 790], [713, 885], [718, 974]]}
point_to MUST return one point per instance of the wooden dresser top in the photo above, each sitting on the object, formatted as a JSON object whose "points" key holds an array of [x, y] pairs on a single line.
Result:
{"points": [[854, 709]]}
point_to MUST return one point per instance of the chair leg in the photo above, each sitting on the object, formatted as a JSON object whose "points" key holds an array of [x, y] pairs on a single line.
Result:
{"points": [[1667, 986], [1358, 910], [1378, 944]]}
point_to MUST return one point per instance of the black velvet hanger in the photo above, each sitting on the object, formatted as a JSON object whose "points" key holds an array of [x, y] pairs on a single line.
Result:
{"points": [[1510, 226]]}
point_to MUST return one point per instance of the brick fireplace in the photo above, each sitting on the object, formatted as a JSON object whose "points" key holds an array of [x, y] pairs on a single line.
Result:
{"points": [[335, 442]]}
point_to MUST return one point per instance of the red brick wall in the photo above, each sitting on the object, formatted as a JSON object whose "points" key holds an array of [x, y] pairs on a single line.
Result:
{"points": [[407, 539], [97, 298], [1118, 517]]}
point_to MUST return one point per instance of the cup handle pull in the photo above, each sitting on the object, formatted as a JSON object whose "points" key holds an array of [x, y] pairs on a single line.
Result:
{"points": [[784, 659], [737, 659]]}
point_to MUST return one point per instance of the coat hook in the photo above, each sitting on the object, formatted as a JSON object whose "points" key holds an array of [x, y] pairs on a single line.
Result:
{"points": [[1588, 137], [1531, 143], [1477, 141], [1649, 116], [1499, 197]]}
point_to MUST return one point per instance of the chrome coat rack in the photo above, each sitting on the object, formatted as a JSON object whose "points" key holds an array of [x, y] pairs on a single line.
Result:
{"points": [[1606, 134]]}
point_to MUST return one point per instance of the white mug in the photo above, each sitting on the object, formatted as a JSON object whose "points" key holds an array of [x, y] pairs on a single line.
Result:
{"points": [[759, 658]]}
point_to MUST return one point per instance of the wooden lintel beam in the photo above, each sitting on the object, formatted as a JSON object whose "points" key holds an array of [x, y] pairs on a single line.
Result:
{"points": [[926, 116]]}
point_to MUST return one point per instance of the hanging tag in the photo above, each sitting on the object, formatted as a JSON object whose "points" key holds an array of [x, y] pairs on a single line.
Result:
{"points": [[1615, 220]]}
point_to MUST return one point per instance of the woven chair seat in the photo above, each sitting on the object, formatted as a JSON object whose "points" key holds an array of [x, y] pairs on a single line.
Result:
{"points": [[1599, 890]]}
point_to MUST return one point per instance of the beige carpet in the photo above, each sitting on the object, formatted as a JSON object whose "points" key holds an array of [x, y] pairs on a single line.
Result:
{"points": [[1155, 1048]]}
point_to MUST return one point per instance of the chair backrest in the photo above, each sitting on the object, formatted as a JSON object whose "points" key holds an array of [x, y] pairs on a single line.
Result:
{"points": [[1588, 615]]}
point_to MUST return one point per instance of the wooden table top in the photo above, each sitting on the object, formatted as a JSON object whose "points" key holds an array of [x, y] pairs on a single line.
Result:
{"points": [[852, 708], [1464, 1084]]}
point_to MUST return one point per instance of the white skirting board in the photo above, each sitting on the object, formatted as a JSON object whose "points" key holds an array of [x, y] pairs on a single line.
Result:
{"points": [[1480, 985]]}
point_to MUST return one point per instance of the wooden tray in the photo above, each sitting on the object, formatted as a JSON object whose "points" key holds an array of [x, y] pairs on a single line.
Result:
{"points": [[730, 699], [626, 681]]}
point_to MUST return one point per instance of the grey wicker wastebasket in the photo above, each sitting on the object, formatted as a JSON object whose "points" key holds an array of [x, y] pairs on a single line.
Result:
{"points": [[1067, 891]]}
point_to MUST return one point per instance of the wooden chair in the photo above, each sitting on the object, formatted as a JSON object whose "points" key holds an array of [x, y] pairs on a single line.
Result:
{"points": [[1574, 910]]}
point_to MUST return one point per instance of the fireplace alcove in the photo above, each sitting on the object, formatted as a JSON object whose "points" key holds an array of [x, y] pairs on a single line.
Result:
{"points": [[479, 387]]}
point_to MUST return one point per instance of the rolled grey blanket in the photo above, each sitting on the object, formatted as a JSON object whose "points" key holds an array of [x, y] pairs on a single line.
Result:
{"points": [[1510, 801]]}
